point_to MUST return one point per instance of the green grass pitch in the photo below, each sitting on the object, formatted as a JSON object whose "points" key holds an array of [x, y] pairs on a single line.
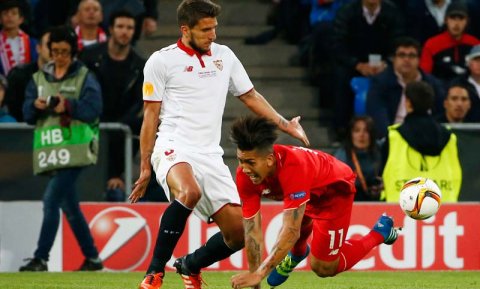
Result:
{"points": [[217, 280]]}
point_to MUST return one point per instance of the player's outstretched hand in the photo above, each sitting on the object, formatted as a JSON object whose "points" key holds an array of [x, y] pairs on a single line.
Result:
{"points": [[140, 186], [296, 130], [247, 279]]}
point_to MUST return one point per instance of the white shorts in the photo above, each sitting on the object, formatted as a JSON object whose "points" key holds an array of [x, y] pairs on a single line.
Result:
{"points": [[213, 176]]}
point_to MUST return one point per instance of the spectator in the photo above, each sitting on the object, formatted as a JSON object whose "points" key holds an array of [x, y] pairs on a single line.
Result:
{"points": [[51, 13], [4, 116], [16, 46], [362, 154], [72, 108], [444, 55], [144, 11], [472, 82], [119, 69], [457, 104], [421, 147], [425, 18], [364, 29], [386, 95], [20, 75], [87, 23]]}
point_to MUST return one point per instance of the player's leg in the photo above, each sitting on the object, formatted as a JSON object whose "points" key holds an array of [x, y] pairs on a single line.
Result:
{"points": [[331, 253], [220, 203], [179, 180], [183, 185], [299, 252], [221, 245], [354, 250]]}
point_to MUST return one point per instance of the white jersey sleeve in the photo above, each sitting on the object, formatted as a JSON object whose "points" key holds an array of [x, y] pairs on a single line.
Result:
{"points": [[154, 81], [239, 81]]}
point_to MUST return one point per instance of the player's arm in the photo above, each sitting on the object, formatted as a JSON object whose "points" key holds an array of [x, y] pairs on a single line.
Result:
{"points": [[288, 236], [253, 241], [260, 106], [147, 142]]}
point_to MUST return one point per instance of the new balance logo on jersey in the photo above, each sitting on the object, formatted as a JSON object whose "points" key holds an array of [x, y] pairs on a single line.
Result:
{"points": [[266, 192], [333, 252], [188, 69]]}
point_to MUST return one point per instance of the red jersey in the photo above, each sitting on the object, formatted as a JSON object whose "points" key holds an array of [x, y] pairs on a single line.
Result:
{"points": [[302, 176]]}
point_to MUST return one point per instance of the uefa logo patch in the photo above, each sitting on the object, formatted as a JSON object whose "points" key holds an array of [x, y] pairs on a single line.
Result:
{"points": [[296, 196]]}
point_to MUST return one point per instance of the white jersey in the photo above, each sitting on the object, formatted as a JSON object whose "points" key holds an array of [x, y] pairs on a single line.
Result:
{"points": [[193, 90]]}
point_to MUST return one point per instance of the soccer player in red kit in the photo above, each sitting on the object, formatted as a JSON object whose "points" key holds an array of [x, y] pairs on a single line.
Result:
{"points": [[317, 191]]}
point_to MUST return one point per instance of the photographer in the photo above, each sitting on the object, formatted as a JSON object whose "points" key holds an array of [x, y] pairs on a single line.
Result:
{"points": [[64, 102]]}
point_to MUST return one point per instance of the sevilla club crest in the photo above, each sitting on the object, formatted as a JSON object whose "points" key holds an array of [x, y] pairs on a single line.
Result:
{"points": [[218, 64]]}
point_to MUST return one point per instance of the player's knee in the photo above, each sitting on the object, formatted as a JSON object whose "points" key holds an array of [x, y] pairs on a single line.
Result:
{"points": [[235, 238], [189, 197], [324, 269]]}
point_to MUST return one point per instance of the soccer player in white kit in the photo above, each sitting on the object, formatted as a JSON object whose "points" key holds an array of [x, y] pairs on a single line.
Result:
{"points": [[184, 92]]}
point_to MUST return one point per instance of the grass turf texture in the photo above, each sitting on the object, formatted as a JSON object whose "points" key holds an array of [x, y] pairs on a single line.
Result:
{"points": [[307, 280]]}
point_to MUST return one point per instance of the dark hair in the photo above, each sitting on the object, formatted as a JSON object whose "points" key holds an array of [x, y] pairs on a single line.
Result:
{"points": [[9, 4], [118, 14], [64, 33], [457, 84], [406, 42], [421, 96], [42, 34], [253, 132], [370, 129], [189, 12]]}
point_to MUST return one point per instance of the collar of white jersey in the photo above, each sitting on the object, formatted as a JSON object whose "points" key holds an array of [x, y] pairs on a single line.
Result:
{"points": [[191, 51]]}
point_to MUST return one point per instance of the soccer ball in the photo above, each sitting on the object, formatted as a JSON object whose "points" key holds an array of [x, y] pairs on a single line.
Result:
{"points": [[420, 198]]}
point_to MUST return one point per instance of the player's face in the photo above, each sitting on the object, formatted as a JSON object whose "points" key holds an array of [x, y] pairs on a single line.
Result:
{"points": [[122, 31], [457, 103], [360, 135], [201, 36], [255, 165]]}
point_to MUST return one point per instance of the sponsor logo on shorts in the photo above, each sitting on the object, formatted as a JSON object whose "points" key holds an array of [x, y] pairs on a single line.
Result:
{"points": [[147, 89], [170, 154], [333, 252], [296, 196]]}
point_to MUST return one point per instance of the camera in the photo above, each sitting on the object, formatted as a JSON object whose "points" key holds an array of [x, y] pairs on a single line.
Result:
{"points": [[52, 101]]}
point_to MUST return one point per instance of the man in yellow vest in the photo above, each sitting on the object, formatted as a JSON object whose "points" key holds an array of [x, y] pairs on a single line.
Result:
{"points": [[421, 146]]}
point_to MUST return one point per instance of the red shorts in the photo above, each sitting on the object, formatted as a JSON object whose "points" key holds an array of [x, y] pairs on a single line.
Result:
{"points": [[329, 234]]}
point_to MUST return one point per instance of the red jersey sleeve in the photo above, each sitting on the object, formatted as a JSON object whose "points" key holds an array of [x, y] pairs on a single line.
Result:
{"points": [[249, 195], [296, 181]]}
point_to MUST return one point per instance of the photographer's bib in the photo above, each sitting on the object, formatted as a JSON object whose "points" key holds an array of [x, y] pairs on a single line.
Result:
{"points": [[56, 147]]}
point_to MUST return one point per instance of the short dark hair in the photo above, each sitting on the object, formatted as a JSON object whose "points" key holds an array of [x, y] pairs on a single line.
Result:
{"points": [[117, 14], [253, 132], [9, 4], [64, 33], [457, 84], [189, 12], [421, 96], [406, 42]]}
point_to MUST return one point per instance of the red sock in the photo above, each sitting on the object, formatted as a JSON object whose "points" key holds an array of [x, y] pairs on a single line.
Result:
{"points": [[300, 248], [354, 250]]}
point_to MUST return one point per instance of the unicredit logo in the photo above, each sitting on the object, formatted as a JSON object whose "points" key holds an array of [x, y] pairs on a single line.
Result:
{"points": [[123, 238]]}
